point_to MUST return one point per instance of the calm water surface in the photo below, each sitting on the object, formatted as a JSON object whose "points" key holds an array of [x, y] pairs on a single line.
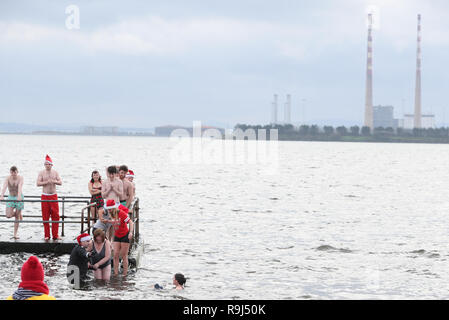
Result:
{"points": [[336, 221]]}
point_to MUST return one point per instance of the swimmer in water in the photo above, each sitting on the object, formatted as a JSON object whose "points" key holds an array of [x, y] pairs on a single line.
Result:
{"points": [[179, 280]]}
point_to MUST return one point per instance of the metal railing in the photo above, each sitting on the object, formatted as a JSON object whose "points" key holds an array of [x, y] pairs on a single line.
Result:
{"points": [[61, 199], [133, 213], [82, 220]]}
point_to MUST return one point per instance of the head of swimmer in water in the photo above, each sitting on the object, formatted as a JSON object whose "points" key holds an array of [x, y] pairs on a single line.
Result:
{"points": [[14, 171], [95, 176], [123, 170], [179, 279], [111, 171]]}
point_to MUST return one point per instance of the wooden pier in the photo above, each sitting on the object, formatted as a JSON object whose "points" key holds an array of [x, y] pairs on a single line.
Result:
{"points": [[65, 246], [37, 247]]}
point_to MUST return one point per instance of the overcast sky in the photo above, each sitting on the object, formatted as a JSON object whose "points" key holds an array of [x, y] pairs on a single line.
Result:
{"points": [[149, 63]]}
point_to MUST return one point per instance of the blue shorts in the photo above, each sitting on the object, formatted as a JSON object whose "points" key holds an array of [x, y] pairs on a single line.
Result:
{"points": [[18, 205]]}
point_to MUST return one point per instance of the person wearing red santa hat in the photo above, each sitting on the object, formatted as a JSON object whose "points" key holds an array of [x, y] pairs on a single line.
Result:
{"points": [[32, 286], [81, 254], [128, 188], [122, 234], [48, 179], [130, 177]]}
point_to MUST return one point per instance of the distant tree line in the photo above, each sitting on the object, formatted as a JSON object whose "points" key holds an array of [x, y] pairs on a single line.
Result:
{"points": [[353, 133]]}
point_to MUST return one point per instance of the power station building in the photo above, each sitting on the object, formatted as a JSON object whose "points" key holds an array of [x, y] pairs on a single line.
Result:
{"points": [[287, 110], [383, 116], [427, 121]]}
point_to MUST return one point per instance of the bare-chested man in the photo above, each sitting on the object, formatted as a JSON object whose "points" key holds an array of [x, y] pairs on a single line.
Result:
{"points": [[48, 179], [113, 186], [130, 177], [14, 184], [128, 188]]}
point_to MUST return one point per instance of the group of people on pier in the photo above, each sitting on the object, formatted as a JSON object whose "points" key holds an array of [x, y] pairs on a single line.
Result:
{"points": [[118, 186], [111, 201], [111, 198]]}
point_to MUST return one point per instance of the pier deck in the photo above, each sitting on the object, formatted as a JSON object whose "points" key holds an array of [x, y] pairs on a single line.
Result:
{"points": [[64, 246]]}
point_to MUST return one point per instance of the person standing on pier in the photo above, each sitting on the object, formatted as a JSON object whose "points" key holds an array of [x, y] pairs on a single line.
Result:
{"points": [[48, 179], [130, 177], [14, 184], [95, 191], [113, 186], [128, 188]]}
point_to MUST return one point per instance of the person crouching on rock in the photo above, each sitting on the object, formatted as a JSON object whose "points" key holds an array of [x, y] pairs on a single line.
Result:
{"points": [[32, 286]]}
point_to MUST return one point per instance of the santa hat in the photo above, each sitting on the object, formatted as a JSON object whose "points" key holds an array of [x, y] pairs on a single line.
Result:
{"points": [[48, 160], [33, 276], [111, 204], [130, 174], [83, 237]]}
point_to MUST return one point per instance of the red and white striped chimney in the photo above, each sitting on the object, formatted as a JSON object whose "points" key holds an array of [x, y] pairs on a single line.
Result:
{"points": [[418, 115], [369, 77]]}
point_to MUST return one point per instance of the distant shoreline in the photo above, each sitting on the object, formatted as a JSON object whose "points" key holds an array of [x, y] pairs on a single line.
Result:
{"points": [[288, 132], [78, 134], [372, 139], [424, 140]]}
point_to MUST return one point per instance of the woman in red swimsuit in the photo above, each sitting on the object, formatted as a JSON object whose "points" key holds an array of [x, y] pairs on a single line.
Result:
{"points": [[122, 234]]}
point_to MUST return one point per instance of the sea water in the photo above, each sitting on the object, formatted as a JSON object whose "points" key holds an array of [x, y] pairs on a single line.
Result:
{"points": [[332, 221]]}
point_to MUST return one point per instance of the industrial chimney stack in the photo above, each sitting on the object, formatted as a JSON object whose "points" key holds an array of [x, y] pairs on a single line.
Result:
{"points": [[274, 110], [369, 77], [288, 110], [418, 115]]}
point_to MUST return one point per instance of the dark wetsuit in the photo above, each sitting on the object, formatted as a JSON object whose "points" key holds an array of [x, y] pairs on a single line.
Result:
{"points": [[79, 257]]}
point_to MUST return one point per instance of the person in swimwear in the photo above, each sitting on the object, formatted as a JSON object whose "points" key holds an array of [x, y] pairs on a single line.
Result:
{"points": [[104, 222], [94, 186], [113, 187], [122, 234], [130, 177], [101, 258], [48, 179], [179, 281], [14, 184], [128, 188]]}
